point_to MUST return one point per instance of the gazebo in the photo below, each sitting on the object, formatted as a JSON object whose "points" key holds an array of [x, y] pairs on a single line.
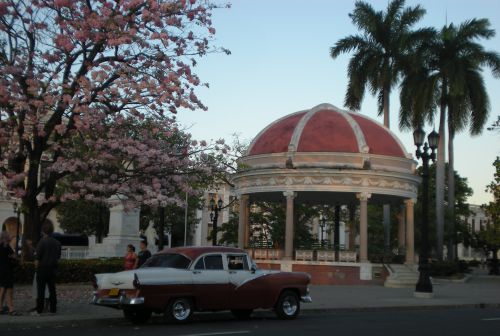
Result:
{"points": [[329, 156]]}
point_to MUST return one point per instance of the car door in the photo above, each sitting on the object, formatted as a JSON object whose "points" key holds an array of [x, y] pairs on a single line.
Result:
{"points": [[211, 282], [238, 268], [244, 294]]}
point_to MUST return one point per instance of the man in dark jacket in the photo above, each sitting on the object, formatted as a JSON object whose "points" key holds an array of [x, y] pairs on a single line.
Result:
{"points": [[48, 252], [143, 255]]}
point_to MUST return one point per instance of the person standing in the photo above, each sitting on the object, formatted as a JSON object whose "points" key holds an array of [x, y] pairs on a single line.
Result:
{"points": [[7, 264], [48, 253], [143, 254], [130, 257]]}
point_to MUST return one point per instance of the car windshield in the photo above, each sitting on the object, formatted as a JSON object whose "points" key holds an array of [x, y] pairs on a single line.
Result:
{"points": [[171, 260]]}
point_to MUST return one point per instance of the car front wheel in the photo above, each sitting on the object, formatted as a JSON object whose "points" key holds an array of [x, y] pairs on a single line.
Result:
{"points": [[288, 306], [179, 310], [137, 316]]}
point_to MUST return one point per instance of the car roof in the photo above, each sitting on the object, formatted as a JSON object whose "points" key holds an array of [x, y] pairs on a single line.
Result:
{"points": [[193, 252]]}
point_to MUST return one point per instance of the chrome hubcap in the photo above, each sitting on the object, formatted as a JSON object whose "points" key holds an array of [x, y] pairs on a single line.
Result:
{"points": [[181, 310], [289, 306]]}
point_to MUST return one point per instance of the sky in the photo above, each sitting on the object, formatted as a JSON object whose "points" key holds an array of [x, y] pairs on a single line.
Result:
{"points": [[280, 64]]}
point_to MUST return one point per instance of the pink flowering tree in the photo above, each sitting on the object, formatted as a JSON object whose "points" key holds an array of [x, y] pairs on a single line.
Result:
{"points": [[88, 93]]}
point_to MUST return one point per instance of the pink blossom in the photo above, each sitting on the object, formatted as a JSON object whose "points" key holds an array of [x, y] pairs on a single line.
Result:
{"points": [[64, 42], [4, 8], [63, 3]]}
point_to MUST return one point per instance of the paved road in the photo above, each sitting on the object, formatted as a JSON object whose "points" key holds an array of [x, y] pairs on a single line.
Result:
{"points": [[428, 322]]}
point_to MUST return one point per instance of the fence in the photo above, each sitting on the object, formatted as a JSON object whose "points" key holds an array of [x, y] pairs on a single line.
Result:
{"points": [[74, 253]]}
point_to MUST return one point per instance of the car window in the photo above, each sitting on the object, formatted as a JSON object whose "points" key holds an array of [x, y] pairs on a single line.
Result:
{"points": [[200, 264], [237, 262], [171, 260], [213, 262]]}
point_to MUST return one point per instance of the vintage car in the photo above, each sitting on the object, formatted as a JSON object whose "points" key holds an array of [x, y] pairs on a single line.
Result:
{"points": [[178, 281]]}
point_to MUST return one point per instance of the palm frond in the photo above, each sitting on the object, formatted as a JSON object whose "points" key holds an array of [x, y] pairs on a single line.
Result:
{"points": [[364, 16], [348, 44], [479, 102]]}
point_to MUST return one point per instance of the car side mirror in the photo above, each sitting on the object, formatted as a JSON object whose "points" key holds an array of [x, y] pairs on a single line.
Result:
{"points": [[253, 269]]}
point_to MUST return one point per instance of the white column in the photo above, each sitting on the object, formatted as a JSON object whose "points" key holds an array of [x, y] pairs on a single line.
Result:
{"points": [[290, 195], [363, 226], [123, 230], [401, 227], [243, 221], [410, 245], [387, 226]]}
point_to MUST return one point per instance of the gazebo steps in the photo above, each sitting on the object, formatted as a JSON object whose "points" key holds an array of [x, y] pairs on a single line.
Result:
{"points": [[401, 276]]}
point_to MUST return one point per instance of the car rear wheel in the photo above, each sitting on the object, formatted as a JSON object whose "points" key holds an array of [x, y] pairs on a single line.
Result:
{"points": [[288, 306], [179, 310], [137, 316], [242, 314]]}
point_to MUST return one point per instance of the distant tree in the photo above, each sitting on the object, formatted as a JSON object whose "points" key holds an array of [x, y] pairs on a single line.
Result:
{"points": [[272, 215], [84, 217], [267, 223], [488, 238], [462, 192], [377, 248], [229, 231]]}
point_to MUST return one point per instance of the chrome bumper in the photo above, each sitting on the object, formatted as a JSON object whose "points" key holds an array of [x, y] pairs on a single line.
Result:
{"points": [[117, 302], [306, 299]]}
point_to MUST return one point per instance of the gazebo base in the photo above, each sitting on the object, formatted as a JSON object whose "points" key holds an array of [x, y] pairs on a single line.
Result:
{"points": [[332, 273]]}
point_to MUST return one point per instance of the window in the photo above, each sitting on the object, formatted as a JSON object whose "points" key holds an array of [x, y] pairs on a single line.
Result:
{"points": [[210, 262], [237, 262], [171, 260], [200, 264], [213, 262]]}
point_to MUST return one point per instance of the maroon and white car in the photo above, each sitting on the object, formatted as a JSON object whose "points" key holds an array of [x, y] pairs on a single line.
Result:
{"points": [[178, 281]]}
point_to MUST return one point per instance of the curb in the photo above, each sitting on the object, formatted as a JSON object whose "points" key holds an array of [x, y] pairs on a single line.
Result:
{"points": [[465, 279]]}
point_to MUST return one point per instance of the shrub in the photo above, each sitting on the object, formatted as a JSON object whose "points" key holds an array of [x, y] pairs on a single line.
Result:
{"points": [[474, 263], [447, 268], [71, 271]]}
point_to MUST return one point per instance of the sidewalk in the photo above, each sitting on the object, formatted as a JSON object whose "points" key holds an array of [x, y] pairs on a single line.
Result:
{"points": [[478, 291]]}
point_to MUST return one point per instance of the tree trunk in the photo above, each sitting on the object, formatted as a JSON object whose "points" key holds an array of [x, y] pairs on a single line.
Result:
{"points": [[387, 207], [161, 229], [451, 191], [32, 223], [387, 119], [440, 168]]}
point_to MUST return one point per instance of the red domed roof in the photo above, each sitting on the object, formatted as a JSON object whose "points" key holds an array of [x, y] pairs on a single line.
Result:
{"points": [[326, 128]]}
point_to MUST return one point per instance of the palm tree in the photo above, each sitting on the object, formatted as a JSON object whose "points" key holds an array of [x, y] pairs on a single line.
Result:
{"points": [[447, 72], [386, 38]]}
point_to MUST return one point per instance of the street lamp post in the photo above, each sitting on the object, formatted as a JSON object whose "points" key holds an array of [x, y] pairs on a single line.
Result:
{"points": [[17, 211], [215, 207], [424, 285]]}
